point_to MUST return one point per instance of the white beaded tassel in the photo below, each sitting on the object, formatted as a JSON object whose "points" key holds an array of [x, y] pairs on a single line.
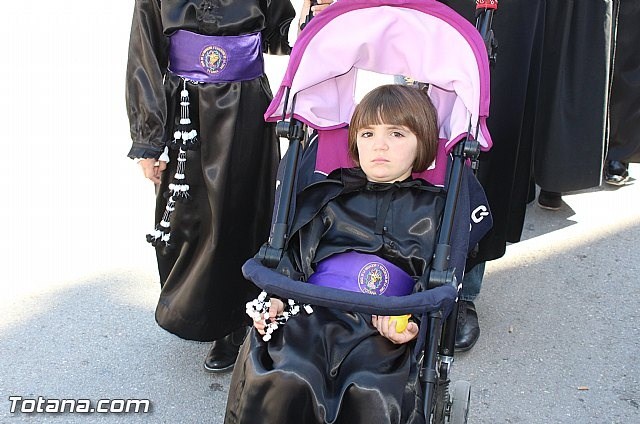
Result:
{"points": [[179, 189], [184, 138], [162, 232], [258, 310]]}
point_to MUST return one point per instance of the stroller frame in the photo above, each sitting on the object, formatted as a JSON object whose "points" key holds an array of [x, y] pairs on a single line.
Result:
{"points": [[441, 403]]}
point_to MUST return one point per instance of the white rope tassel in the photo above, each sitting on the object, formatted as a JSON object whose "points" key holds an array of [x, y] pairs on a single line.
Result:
{"points": [[161, 234], [184, 105], [184, 138], [179, 188]]}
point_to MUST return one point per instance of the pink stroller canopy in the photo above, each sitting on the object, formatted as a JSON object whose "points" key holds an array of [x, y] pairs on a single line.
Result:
{"points": [[422, 39]]}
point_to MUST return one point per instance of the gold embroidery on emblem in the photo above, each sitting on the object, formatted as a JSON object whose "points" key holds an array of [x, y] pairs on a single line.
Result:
{"points": [[373, 278], [213, 59]]}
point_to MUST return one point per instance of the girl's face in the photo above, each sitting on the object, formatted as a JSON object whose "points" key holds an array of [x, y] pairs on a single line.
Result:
{"points": [[386, 152]]}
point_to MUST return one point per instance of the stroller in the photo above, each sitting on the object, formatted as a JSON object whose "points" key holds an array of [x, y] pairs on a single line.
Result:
{"points": [[312, 109]]}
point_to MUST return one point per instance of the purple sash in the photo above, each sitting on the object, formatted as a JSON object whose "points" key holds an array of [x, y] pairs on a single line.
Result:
{"points": [[360, 272], [211, 58]]}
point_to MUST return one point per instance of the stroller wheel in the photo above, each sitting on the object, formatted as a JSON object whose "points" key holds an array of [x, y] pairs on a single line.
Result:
{"points": [[460, 397]]}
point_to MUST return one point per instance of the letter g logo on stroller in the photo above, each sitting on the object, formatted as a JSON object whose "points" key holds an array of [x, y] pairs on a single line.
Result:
{"points": [[479, 213]]}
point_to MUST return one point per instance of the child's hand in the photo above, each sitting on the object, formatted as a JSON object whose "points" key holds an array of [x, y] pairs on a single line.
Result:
{"points": [[152, 169], [276, 308], [386, 326]]}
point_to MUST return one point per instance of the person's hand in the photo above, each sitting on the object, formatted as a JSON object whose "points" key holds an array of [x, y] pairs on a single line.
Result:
{"points": [[152, 169], [276, 308], [386, 326], [319, 7]]}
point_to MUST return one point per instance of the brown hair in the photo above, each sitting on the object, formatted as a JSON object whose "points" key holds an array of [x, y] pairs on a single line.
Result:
{"points": [[402, 105]]}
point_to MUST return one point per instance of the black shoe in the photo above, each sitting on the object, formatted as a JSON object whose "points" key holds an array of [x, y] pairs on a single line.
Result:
{"points": [[223, 353], [468, 329], [550, 200], [616, 172]]}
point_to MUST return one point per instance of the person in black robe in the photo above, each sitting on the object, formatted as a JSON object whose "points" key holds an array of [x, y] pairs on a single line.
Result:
{"points": [[624, 111], [547, 119], [196, 83], [335, 366], [571, 117]]}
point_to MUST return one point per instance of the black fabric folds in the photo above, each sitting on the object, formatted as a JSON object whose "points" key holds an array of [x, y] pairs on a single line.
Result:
{"points": [[624, 141], [408, 225], [571, 116], [548, 105], [327, 367]]}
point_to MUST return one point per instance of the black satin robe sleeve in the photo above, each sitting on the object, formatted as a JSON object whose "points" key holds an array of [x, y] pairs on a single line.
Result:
{"points": [[145, 94], [276, 32]]}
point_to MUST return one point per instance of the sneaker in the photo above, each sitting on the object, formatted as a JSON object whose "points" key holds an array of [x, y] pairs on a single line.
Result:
{"points": [[549, 200], [616, 173]]}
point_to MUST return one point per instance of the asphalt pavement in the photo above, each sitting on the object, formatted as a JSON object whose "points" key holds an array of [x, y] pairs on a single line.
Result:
{"points": [[559, 312]]}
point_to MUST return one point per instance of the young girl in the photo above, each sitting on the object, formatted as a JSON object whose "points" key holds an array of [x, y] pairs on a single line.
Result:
{"points": [[370, 229]]}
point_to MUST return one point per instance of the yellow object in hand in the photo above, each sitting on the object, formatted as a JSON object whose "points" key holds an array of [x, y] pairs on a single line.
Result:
{"points": [[401, 322]]}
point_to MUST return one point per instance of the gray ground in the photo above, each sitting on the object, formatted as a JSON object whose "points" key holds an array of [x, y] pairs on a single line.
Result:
{"points": [[559, 313]]}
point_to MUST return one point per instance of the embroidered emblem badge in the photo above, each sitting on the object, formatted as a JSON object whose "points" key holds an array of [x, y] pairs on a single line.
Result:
{"points": [[373, 278], [213, 59]]}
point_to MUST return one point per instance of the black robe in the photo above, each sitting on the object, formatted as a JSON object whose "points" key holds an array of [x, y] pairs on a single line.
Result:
{"points": [[548, 106], [624, 141], [334, 366], [231, 176], [571, 116]]}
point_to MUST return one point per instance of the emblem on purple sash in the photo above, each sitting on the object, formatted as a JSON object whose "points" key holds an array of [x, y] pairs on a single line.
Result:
{"points": [[373, 278], [213, 59], [216, 58], [362, 272]]}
